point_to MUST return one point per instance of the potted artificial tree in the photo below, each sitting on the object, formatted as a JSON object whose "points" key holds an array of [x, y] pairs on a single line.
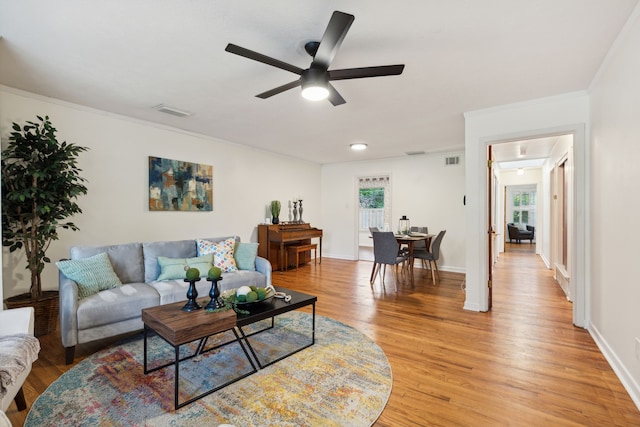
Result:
{"points": [[40, 183], [275, 211]]}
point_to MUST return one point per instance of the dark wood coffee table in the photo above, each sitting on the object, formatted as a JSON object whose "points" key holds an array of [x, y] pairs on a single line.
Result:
{"points": [[177, 327]]}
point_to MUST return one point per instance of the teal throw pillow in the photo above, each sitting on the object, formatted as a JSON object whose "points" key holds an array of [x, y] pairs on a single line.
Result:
{"points": [[92, 275], [174, 268], [245, 255]]}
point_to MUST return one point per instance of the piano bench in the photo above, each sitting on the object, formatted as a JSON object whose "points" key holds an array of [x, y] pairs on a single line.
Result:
{"points": [[298, 249]]}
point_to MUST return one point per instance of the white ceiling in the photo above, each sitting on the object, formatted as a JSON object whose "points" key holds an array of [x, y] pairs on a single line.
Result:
{"points": [[126, 57]]}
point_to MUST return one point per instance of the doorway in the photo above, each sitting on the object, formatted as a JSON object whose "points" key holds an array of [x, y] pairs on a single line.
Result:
{"points": [[540, 199], [374, 211]]}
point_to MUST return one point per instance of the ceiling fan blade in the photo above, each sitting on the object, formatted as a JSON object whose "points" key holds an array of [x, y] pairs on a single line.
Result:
{"points": [[279, 89], [359, 73], [332, 39], [232, 48], [334, 97]]}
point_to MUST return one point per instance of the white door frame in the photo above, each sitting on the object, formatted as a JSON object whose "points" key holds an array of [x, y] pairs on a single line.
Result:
{"points": [[477, 215]]}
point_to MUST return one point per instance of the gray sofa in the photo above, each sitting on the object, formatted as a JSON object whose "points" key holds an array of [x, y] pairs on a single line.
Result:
{"points": [[116, 311]]}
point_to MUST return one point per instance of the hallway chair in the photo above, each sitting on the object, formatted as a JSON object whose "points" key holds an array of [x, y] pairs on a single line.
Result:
{"points": [[516, 233]]}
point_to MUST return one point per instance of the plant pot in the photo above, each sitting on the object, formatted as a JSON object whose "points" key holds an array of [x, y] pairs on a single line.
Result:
{"points": [[46, 310]]}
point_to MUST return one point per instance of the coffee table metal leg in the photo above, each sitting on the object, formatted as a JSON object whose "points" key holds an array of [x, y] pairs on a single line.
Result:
{"points": [[146, 330], [313, 340], [176, 377], [206, 393]]}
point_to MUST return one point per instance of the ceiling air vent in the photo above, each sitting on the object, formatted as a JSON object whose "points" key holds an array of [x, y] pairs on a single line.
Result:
{"points": [[170, 110], [414, 153], [450, 161]]}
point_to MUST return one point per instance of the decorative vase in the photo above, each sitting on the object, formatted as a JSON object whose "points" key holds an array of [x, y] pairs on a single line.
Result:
{"points": [[214, 294], [192, 294], [275, 220]]}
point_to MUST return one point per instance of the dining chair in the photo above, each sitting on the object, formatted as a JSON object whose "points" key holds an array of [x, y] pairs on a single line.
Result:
{"points": [[431, 257], [421, 244], [385, 252], [373, 230]]}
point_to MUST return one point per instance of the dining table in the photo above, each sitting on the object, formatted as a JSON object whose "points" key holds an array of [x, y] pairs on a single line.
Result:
{"points": [[410, 240]]}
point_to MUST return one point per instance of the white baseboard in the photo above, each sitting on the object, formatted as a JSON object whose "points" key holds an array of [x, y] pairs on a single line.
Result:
{"points": [[627, 380]]}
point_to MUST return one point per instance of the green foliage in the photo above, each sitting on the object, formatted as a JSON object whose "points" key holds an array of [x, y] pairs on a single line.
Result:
{"points": [[371, 198], [40, 183], [275, 208]]}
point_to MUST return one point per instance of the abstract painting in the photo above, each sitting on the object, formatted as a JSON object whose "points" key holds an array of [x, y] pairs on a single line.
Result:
{"points": [[175, 185]]}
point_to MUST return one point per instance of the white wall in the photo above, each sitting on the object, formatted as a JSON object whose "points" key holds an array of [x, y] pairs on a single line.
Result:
{"points": [[422, 188], [115, 210], [542, 117], [615, 150]]}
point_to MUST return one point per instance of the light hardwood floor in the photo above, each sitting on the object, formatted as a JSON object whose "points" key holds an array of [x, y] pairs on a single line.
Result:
{"points": [[523, 364]]}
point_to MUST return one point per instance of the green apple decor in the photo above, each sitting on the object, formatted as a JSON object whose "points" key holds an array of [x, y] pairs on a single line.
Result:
{"points": [[192, 276], [214, 275]]}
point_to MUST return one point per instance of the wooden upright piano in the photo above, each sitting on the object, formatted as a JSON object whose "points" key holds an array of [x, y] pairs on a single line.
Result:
{"points": [[274, 239]]}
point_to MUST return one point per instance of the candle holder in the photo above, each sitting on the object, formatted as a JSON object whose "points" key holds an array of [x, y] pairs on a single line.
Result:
{"points": [[192, 294], [216, 302], [300, 211], [295, 211]]}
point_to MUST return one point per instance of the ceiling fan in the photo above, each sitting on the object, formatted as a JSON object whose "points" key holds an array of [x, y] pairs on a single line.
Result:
{"points": [[315, 79]]}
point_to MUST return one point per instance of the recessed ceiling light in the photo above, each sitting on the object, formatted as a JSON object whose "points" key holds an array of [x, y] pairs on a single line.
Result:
{"points": [[358, 146]]}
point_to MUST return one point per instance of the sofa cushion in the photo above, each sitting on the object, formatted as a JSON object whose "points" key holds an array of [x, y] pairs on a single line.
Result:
{"points": [[169, 249], [176, 290], [176, 268], [222, 253], [92, 274], [245, 255], [126, 259], [116, 305], [242, 278]]}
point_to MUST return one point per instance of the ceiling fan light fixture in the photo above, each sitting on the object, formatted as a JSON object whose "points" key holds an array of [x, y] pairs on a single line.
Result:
{"points": [[315, 93], [314, 84]]}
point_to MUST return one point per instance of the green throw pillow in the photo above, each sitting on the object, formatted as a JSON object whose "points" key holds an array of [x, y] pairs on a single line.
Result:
{"points": [[174, 268], [92, 275], [245, 255]]}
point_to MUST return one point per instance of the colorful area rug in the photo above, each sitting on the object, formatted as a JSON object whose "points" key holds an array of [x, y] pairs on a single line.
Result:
{"points": [[343, 380]]}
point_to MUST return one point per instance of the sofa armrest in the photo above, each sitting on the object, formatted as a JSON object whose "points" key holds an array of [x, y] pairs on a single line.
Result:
{"points": [[68, 311], [17, 321], [264, 266]]}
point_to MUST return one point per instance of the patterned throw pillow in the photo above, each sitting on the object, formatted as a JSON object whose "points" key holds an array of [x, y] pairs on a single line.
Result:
{"points": [[174, 268], [222, 253], [92, 275]]}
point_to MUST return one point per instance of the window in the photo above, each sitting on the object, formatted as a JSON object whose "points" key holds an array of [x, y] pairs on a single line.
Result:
{"points": [[524, 207]]}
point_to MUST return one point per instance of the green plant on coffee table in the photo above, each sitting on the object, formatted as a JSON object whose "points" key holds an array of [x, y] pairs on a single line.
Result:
{"points": [[242, 295]]}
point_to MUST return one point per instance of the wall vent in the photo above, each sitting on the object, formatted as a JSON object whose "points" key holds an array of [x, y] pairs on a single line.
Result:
{"points": [[170, 110], [450, 161], [414, 153]]}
